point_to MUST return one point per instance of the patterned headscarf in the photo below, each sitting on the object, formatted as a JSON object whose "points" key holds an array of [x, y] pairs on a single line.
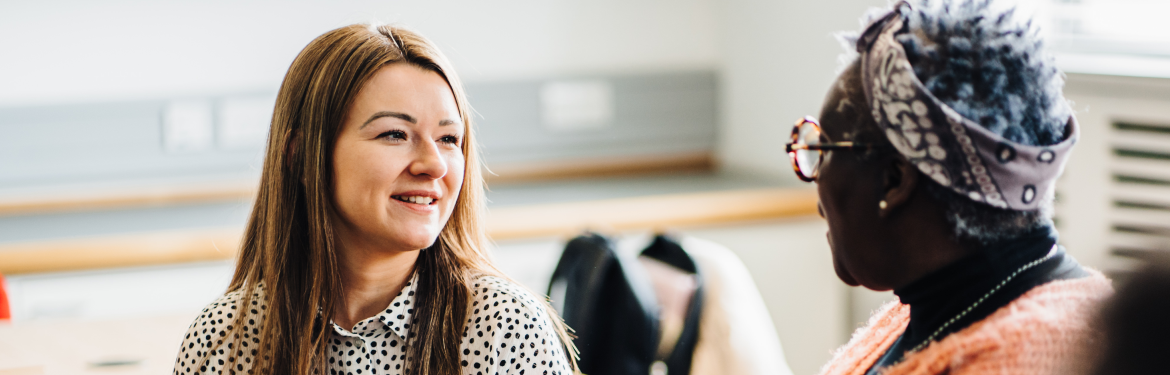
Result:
{"points": [[954, 151]]}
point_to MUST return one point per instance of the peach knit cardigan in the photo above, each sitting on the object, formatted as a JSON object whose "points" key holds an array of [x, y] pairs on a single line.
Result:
{"points": [[1041, 332]]}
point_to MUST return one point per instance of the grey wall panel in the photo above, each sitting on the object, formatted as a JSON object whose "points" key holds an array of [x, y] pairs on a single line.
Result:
{"points": [[652, 114], [52, 145], [84, 143], [52, 142]]}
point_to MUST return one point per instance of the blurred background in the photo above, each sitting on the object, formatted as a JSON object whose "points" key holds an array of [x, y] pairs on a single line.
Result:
{"points": [[132, 133]]}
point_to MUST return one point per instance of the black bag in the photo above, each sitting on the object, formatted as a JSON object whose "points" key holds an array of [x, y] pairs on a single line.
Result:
{"points": [[609, 301]]}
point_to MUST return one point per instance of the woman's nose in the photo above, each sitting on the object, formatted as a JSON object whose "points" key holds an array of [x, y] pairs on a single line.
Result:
{"points": [[428, 161]]}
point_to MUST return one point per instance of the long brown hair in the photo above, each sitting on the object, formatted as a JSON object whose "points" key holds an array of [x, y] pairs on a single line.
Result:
{"points": [[289, 248]]}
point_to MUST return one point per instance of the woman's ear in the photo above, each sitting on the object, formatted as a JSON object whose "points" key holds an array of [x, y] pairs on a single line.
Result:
{"points": [[901, 180]]}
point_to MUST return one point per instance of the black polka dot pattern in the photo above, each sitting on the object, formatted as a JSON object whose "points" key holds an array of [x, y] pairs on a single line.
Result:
{"points": [[508, 332]]}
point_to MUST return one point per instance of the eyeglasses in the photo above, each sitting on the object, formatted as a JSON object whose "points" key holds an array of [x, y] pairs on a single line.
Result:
{"points": [[805, 148]]}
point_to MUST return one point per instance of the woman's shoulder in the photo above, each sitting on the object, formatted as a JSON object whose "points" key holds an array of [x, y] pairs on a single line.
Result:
{"points": [[226, 308], [1079, 293], [494, 294], [1041, 332], [1037, 333], [487, 284], [1057, 308], [1054, 308], [884, 326], [512, 323], [206, 346]]}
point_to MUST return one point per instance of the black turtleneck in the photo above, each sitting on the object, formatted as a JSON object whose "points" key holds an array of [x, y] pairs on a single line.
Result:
{"points": [[943, 294]]}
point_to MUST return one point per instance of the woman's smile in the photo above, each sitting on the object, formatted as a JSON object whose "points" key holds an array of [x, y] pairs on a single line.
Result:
{"points": [[418, 201]]}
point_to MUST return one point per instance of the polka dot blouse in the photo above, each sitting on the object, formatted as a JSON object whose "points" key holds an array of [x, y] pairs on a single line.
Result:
{"points": [[507, 332]]}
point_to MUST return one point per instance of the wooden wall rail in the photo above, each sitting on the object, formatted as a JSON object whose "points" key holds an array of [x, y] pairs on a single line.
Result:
{"points": [[650, 212], [130, 250], [600, 167], [129, 197], [166, 194]]}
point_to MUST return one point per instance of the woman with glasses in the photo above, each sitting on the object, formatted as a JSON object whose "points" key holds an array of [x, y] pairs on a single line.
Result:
{"points": [[935, 162]]}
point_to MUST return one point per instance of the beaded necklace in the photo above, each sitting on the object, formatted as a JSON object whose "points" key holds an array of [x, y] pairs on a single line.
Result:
{"points": [[929, 339]]}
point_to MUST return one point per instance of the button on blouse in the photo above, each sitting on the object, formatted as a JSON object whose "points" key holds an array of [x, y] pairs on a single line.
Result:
{"points": [[507, 332]]}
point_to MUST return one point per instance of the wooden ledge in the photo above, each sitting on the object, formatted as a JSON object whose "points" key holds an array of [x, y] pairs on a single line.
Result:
{"points": [[245, 189], [129, 197], [601, 167], [130, 250], [649, 212]]}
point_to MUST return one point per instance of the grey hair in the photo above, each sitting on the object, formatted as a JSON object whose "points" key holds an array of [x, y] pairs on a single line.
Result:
{"points": [[993, 68]]}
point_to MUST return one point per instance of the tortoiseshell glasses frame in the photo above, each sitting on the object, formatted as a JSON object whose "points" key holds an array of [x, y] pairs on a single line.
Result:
{"points": [[806, 139]]}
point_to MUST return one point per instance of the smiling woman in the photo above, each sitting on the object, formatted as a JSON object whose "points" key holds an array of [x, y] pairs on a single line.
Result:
{"points": [[365, 252]]}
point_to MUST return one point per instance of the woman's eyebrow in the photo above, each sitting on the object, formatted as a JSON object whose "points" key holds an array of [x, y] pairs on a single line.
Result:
{"points": [[447, 122], [378, 115]]}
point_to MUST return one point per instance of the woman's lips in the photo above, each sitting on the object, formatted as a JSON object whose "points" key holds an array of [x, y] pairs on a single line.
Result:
{"points": [[417, 203], [416, 199]]}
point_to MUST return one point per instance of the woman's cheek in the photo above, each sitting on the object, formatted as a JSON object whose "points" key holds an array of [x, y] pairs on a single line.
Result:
{"points": [[455, 168], [454, 178]]}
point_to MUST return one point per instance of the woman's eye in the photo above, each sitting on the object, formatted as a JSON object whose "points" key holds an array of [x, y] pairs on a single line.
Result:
{"points": [[450, 139], [393, 135]]}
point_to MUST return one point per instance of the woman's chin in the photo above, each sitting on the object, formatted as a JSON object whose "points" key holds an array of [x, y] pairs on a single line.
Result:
{"points": [[414, 236], [418, 243], [844, 274], [410, 240]]}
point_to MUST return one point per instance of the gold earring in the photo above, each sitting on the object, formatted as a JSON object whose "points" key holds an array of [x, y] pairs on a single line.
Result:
{"points": [[882, 204]]}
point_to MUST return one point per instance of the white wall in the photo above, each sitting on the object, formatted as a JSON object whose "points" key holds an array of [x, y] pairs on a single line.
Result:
{"points": [[778, 59], [64, 51]]}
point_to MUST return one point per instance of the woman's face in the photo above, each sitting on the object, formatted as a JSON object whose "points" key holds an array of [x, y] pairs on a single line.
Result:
{"points": [[398, 161], [849, 188]]}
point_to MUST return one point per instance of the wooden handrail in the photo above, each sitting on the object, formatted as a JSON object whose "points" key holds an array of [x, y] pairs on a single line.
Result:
{"points": [[649, 212]]}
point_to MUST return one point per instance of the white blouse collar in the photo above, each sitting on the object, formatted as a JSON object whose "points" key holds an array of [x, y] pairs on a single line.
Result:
{"points": [[396, 318]]}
